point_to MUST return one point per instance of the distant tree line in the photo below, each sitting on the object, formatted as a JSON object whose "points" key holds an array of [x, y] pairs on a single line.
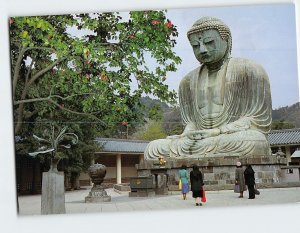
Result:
{"points": [[170, 122]]}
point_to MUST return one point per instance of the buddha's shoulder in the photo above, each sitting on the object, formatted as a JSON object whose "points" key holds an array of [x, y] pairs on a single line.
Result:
{"points": [[242, 67], [189, 76], [238, 62]]}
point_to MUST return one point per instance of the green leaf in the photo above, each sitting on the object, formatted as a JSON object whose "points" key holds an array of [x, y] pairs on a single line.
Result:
{"points": [[24, 34]]}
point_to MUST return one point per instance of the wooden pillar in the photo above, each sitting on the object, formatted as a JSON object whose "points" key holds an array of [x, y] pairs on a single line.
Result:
{"points": [[288, 154], [141, 158], [119, 169]]}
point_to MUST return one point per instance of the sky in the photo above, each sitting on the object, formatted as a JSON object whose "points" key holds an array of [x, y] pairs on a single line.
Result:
{"points": [[263, 33]]}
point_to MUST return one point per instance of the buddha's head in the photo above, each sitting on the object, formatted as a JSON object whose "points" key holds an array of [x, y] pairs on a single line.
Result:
{"points": [[210, 39]]}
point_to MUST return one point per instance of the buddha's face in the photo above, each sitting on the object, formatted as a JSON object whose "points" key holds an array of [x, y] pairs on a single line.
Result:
{"points": [[208, 46]]}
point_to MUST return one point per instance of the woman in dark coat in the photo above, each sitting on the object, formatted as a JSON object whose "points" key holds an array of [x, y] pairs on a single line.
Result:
{"points": [[250, 181], [196, 179]]}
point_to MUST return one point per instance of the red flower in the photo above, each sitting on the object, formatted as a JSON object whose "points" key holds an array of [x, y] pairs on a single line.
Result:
{"points": [[124, 123], [169, 24], [131, 36], [11, 21], [102, 76], [154, 22]]}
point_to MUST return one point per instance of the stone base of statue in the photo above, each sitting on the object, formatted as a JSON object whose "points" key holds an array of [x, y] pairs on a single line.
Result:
{"points": [[97, 194], [219, 173], [53, 193]]}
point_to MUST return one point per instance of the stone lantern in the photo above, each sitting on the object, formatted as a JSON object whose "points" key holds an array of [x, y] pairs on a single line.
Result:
{"points": [[97, 173]]}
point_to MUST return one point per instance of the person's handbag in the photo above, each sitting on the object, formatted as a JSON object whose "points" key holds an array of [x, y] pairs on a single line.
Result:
{"points": [[237, 188], [180, 184], [203, 198]]}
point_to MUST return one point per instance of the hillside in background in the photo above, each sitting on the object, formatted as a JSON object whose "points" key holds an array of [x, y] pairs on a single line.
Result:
{"points": [[288, 116], [150, 103], [289, 113]]}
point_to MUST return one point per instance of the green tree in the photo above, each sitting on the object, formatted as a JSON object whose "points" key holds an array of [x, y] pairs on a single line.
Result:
{"points": [[153, 130], [281, 124], [84, 82], [90, 76]]}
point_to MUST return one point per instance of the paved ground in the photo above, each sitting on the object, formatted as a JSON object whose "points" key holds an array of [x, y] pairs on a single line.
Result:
{"points": [[31, 205]]}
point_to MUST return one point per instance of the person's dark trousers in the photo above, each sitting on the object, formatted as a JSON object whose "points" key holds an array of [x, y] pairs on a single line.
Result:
{"points": [[251, 191]]}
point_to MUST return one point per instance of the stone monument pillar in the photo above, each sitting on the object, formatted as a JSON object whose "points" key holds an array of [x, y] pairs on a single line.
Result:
{"points": [[97, 173], [53, 193]]}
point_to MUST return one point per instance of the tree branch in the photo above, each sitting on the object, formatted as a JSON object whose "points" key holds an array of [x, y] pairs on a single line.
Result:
{"points": [[18, 64], [49, 99], [77, 113], [43, 71], [71, 96], [17, 70], [23, 101]]}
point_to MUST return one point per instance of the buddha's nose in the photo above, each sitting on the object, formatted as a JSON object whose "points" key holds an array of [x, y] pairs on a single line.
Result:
{"points": [[203, 49]]}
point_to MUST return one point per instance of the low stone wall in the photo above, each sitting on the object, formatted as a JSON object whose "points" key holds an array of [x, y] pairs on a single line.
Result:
{"points": [[219, 173], [125, 187]]}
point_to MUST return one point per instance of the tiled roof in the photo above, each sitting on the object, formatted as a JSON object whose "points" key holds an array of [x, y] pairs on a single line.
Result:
{"points": [[122, 145], [275, 137], [284, 137]]}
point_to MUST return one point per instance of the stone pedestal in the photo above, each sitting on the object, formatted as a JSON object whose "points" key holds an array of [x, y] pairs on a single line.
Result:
{"points": [[53, 193], [160, 180], [219, 173], [97, 194]]}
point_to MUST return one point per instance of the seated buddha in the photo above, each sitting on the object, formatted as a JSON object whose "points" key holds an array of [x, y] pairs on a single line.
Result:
{"points": [[225, 103]]}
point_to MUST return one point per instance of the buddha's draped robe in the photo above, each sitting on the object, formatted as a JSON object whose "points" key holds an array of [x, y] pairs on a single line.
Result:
{"points": [[244, 117]]}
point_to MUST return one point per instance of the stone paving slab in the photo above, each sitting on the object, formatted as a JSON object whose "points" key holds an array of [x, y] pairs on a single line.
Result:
{"points": [[74, 201]]}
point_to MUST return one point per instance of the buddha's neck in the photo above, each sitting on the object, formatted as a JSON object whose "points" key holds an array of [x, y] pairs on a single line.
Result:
{"points": [[217, 65]]}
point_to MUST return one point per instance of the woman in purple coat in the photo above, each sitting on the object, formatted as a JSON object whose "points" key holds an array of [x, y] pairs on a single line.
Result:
{"points": [[183, 175]]}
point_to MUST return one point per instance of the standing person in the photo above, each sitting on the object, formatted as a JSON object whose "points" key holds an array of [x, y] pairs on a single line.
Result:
{"points": [[196, 178], [250, 181], [183, 175], [240, 179]]}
